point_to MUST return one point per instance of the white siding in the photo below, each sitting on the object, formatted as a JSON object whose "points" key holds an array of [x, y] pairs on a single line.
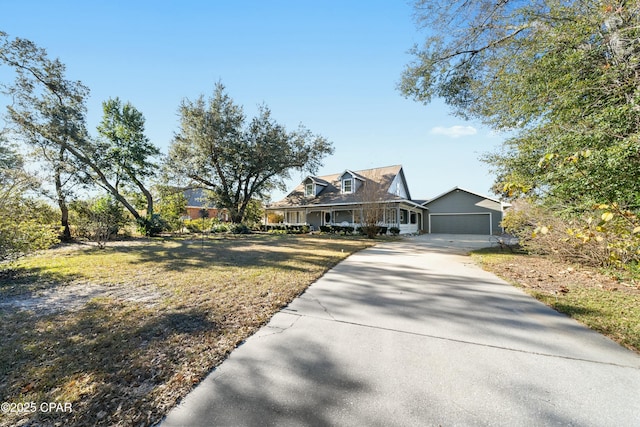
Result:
{"points": [[397, 187]]}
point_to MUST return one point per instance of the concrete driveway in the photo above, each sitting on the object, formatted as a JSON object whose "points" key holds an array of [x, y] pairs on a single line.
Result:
{"points": [[412, 333]]}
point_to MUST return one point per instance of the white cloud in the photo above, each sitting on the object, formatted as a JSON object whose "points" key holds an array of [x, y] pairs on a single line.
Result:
{"points": [[454, 131]]}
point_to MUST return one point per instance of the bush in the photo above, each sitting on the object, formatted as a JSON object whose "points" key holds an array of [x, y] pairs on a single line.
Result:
{"points": [[606, 236], [198, 225], [98, 219], [371, 231], [240, 229], [152, 225], [347, 230], [19, 236], [285, 229], [299, 229], [276, 231], [603, 236], [220, 228], [393, 230], [171, 206], [25, 224]]}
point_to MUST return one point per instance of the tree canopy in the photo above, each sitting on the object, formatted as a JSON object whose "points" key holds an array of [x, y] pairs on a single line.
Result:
{"points": [[125, 152], [563, 76], [50, 113], [237, 161]]}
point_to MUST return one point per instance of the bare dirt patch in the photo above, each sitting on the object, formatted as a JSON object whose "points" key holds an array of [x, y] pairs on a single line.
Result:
{"points": [[87, 245], [75, 296], [58, 295]]}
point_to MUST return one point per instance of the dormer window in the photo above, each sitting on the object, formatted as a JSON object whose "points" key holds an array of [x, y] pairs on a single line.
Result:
{"points": [[308, 189], [313, 186], [350, 182], [347, 185]]}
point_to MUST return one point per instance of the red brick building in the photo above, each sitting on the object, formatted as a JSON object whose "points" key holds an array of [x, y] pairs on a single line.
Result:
{"points": [[197, 201]]}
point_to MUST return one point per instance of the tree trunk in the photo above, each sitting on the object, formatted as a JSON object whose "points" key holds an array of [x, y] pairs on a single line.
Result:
{"points": [[147, 193], [62, 201], [102, 179], [236, 217], [64, 221]]}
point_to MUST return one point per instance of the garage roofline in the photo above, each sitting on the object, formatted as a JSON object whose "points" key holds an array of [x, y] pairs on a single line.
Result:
{"points": [[456, 188]]}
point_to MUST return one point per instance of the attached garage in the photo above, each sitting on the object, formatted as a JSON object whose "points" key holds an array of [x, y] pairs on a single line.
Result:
{"points": [[478, 223], [460, 211]]}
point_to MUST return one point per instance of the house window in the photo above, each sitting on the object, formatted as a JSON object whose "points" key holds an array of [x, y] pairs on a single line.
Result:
{"points": [[295, 217], [391, 216], [308, 189], [414, 218], [347, 185]]}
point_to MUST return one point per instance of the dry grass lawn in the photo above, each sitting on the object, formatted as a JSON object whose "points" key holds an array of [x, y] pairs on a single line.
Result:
{"points": [[123, 333]]}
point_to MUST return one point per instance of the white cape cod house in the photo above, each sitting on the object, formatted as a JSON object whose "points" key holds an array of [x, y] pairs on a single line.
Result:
{"points": [[345, 198]]}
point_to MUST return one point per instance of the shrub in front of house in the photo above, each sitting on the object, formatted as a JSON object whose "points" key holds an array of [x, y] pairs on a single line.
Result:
{"points": [[370, 230], [277, 231], [346, 230], [340, 229], [199, 225], [393, 230], [240, 229]]}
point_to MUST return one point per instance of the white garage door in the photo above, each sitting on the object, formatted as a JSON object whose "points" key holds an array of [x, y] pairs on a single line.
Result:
{"points": [[479, 223]]}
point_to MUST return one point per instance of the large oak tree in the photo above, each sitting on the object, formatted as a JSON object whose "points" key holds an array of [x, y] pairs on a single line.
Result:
{"points": [[237, 161]]}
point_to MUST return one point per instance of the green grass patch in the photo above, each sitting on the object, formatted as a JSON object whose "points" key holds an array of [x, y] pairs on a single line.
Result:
{"points": [[611, 312], [123, 333]]}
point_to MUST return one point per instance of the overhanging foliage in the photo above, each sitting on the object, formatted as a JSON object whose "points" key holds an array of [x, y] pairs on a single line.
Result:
{"points": [[564, 76]]}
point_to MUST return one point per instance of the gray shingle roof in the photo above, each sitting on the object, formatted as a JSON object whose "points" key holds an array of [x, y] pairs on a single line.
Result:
{"points": [[377, 180]]}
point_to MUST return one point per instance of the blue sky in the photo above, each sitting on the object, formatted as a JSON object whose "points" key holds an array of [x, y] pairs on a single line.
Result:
{"points": [[331, 65]]}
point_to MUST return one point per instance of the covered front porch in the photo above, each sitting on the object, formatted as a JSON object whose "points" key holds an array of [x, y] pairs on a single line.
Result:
{"points": [[407, 218]]}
